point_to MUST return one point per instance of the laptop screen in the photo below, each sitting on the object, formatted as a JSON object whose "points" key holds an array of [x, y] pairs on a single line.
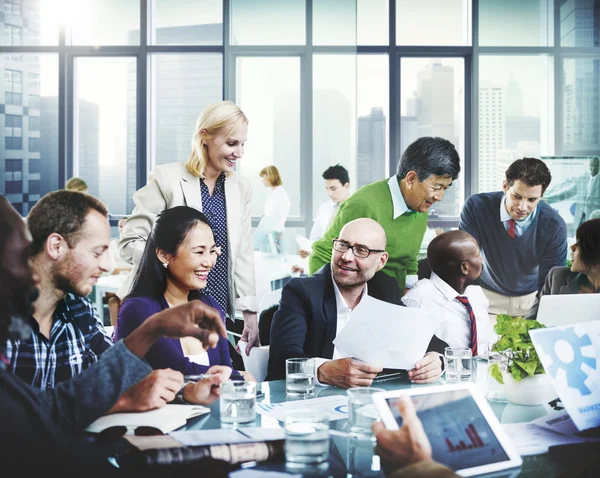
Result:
{"points": [[460, 435]]}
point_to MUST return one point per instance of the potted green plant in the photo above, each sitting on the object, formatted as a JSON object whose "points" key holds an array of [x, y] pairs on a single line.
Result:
{"points": [[522, 375]]}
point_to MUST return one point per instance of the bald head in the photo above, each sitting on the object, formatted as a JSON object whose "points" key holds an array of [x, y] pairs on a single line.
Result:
{"points": [[448, 252], [365, 231], [358, 238]]}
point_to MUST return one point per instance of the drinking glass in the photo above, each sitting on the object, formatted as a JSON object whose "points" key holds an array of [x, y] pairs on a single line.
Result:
{"points": [[300, 377], [362, 459], [306, 440], [237, 402], [495, 391], [362, 412], [459, 364]]}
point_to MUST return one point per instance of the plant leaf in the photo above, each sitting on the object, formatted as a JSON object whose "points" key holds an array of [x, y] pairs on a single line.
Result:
{"points": [[495, 372]]}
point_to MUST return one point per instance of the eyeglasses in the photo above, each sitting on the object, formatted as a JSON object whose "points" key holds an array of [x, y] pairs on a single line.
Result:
{"points": [[359, 251]]}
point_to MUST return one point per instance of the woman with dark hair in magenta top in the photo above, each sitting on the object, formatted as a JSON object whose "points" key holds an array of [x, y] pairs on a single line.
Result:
{"points": [[178, 256]]}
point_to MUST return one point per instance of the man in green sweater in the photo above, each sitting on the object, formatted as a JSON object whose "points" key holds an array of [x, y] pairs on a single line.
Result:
{"points": [[400, 204]]}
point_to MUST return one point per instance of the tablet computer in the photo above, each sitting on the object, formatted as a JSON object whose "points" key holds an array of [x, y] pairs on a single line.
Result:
{"points": [[465, 434]]}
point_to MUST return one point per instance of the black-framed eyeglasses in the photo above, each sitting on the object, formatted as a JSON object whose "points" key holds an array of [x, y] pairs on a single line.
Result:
{"points": [[359, 251]]}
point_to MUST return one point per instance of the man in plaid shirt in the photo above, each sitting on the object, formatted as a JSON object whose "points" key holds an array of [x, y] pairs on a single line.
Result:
{"points": [[70, 240]]}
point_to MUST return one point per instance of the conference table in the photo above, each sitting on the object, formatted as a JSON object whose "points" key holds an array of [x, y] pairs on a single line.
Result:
{"points": [[346, 451]]}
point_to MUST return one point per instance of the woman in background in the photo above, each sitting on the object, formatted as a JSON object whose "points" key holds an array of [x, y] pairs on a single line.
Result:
{"points": [[277, 206], [583, 277], [207, 182], [174, 269]]}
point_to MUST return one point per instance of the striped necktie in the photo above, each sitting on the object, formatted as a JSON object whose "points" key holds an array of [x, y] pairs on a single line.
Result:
{"points": [[473, 341]]}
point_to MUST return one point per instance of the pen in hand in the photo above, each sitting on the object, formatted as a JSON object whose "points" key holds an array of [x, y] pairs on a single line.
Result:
{"points": [[197, 378]]}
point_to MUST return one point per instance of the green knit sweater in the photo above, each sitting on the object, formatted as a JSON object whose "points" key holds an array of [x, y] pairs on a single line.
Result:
{"points": [[404, 234]]}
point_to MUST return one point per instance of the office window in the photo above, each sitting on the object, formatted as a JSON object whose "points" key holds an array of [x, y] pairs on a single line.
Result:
{"points": [[334, 121], [34, 102], [516, 113], [188, 22], [516, 22], [13, 169], [13, 35], [34, 166], [581, 104], [580, 23], [13, 84], [34, 123], [268, 22], [13, 132], [433, 22], [182, 86], [268, 91], [34, 145], [34, 186], [13, 187], [432, 104], [93, 20], [105, 152], [12, 7]]}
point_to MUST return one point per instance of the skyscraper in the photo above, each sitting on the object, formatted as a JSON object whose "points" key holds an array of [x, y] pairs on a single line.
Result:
{"points": [[371, 165], [491, 134]]}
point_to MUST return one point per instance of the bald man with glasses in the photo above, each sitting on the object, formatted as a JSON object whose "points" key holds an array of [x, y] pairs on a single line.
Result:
{"points": [[313, 311]]}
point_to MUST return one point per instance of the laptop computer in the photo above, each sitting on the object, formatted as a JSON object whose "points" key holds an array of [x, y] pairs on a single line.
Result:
{"points": [[568, 309]]}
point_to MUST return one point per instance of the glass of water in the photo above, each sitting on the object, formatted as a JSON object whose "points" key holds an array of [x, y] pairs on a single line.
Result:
{"points": [[300, 377], [495, 391], [306, 440], [362, 459], [459, 364], [237, 401], [362, 412]]}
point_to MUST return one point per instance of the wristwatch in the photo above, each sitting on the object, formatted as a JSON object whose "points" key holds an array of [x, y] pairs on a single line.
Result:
{"points": [[179, 397]]}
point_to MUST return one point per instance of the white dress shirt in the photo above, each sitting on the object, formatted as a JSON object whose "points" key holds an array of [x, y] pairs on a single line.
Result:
{"points": [[325, 214], [343, 316], [277, 208], [455, 326], [400, 208], [520, 226]]}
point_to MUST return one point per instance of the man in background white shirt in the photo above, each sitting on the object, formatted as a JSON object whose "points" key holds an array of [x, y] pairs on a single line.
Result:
{"points": [[589, 196], [455, 263], [337, 185]]}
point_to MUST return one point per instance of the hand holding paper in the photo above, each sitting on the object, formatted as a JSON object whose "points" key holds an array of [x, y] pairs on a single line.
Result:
{"points": [[387, 335]]}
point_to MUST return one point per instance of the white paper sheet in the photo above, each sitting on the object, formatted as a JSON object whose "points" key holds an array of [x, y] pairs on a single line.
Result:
{"points": [[335, 406], [530, 439], [387, 335], [166, 419], [304, 242], [256, 363]]}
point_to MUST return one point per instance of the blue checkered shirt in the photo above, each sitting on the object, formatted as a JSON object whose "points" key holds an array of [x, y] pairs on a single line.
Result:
{"points": [[77, 339]]}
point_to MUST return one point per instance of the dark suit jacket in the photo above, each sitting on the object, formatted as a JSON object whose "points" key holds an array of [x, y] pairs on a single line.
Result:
{"points": [[305, 324], [560, 280]]}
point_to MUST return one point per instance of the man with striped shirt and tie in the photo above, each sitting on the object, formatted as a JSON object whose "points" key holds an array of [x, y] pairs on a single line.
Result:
{"points": [[521, 237], [456, 264]]}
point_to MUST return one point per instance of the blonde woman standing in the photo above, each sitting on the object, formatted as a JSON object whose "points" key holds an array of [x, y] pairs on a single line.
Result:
{"points": [[208, 182]]}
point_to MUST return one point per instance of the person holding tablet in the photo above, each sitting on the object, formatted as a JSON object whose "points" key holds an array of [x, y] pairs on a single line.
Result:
{"points": [[406, 452]]}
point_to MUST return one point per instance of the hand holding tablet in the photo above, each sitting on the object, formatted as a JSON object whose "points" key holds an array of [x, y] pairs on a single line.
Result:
{"points": [[451, 424]]}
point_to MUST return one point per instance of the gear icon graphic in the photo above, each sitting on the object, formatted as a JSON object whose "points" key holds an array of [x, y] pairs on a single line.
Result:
{"points": [[576, 376]]}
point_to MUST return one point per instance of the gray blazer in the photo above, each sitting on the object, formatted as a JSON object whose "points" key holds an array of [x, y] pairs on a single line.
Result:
{"points": [[171, 185], [560, 280]]}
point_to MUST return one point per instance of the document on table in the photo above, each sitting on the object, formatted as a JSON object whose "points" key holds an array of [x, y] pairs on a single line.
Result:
{"points": [[336, 406], [166, 419], [387, 335], [228, 436], [530, 439]]}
